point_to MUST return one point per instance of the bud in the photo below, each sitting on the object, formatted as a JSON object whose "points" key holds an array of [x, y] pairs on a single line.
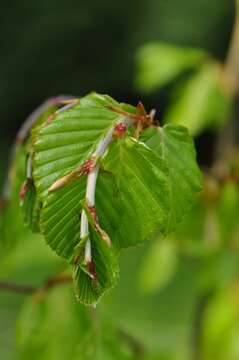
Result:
{"points": [[119, 130], [61, 182], [87, 167], [49, 119], [93, 213]]}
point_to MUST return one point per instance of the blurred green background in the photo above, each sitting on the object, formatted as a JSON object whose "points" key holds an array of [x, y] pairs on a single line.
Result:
{"points": [[55, 47], [177, 299]]}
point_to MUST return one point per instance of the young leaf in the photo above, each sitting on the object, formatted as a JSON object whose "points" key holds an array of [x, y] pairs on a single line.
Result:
{"points": [[30, 207], [131, 200], [133, 186], [12, 231], [159, 63], [131, 203], [60, 218], [92, 279], [200, 102], [141, 193], [29, 202], [69, 139], [158, 266], [173, 144]]}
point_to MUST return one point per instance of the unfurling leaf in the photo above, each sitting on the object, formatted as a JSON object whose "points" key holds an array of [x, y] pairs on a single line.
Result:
{"points": [[103, 178], [92, 279]]}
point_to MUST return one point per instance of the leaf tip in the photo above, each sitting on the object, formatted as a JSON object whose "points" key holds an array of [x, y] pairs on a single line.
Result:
{"points": [[61, 182]]}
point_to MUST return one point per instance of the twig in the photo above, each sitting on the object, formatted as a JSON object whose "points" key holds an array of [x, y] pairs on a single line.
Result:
{"points": [[225, 144], [30, 289], [57, 280], [197, 326], [136, 346], [231, 67], [91, 187], [17, 288]]}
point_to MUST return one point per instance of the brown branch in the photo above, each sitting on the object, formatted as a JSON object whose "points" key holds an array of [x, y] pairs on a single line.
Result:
{"points": [[57, 280], [31, 289], [231, 67], [136, 346], [226, 141], [17, 288], [197, 326]]}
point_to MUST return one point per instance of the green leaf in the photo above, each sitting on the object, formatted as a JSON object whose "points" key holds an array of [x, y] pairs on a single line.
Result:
{"points": [[136, 191], [158, 266], [60, 218], [132, 186], [105, 266], [157, 319], [29, 202], [53, 327], [27, 215], [191, 233], [220, 326], [31, 207], [159, 63], [141, 193], [124, 196], [173, 144], [12, 231], [70, 139], [57, 327], [40, 121], [200, 102]]}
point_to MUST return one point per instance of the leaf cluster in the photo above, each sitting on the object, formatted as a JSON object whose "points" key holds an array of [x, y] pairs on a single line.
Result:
{"points": [[146, 181]]}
